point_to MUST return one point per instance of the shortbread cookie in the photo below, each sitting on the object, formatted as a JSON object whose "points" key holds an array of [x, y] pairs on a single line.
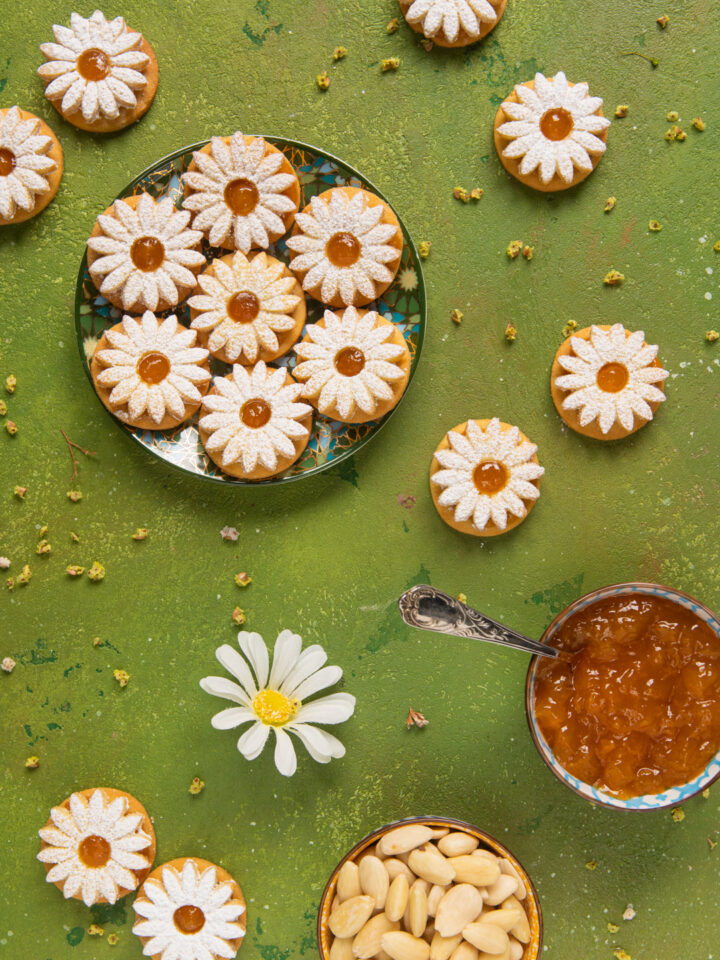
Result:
{"points": [[606, 382], [100, 75], [141, 256], [254, 426], [355, 366], [453, 23], [347, 244], [190, 909], [149, 373], [31, 165], [98, 845], [550, 134], [485, 477], [243, 191], [249, 309]]}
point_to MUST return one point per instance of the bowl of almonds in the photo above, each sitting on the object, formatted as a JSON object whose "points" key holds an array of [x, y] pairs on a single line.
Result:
{"points": [[429, 888]]}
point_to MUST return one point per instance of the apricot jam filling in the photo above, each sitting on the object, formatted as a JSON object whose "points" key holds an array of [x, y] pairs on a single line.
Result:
{"points": [[93, 64], [189, 918], [94, 851], [255, 413], [343, 249], [147, 253], [350, 361], [153, 367], [7, 162], [612, 377], [243, 307], [637, 709], [490, 477], [241, 196], [556, 124]]}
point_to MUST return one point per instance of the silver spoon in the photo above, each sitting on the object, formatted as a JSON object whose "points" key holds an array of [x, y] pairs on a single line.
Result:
{"points": [[428, 608]]}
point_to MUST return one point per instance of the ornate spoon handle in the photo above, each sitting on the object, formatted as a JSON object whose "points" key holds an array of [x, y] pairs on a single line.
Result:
{"points": [[427, 608]]}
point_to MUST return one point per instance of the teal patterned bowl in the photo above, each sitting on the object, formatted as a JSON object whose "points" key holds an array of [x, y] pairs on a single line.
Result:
{"points": [[331, 442], [655, 801]]}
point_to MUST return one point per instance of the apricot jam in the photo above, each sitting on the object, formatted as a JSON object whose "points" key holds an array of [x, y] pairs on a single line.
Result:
{"points": [[147, 253], [350, 361], [7, 162], [255, 413], [490, 477], [556, 124], [612, 377], [343, 249], [241, 196], [637, 709], [93, 64], [153, 367], [243, 307], [94, 851], [189, 918]]}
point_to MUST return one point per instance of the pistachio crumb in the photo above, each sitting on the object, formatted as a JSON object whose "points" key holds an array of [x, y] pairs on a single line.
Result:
{"points": [[8, 665], [424, 248], [392, 25], [510, 333], [94, 930], [10, 583], [339, 53], [122, 677], [457, 316], [712, 843], [612, 278], [43, 548], [140, 534], [390, 63], [197, 786], [11, 383], [671, 133], [712, 335], [706, 793], [476, 193], [44, 530], [460, 193], [20, 492], [621, 110], [591, 865], [612, 927], [238, 616], [74, 537], [74, 495], [677, 814], [113, 939], [3, 408], [25, 576], [243, 579], [96, 571], [610, 204], [673, 116], [461, 598], [698, 123], [416, 719], [663, 21], [97, 642], [74, 570], [32, 763], [716, 246], [323, 80], [528, 252], [11, 427], [680, 135], [654, 226], [514, 248], [569, 328], [621, 954]]}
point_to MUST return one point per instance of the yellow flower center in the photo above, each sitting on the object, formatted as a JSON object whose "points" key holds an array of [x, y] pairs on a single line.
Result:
{"points": [[274, 708]]}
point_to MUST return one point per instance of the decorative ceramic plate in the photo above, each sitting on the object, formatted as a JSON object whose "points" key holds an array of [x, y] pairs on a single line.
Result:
{"points": [[331, 442]]}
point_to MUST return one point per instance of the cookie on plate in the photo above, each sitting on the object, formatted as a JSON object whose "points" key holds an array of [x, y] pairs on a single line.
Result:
{"points": [[347, 245], [141, 256], [355, 365], [149, 373], [549, 133], [31, 165], [190, 908], [485, 477], [100, 75], [98, 845], [453, 23], [243, 191], [606, 382], [249, 309], [254, 426]]}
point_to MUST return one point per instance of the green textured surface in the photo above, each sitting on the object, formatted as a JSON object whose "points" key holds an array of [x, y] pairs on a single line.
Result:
{"points": [[329, 558]]}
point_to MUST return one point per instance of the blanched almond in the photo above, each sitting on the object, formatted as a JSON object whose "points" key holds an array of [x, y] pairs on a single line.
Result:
{"points": [[396, 867], [479, 871], [351, 916], [457, 844], [348, 881], [505, 955], [374, 880], [500, 889], [509, 869], [487, 937], [432, 867], [341, 949], [439, 832], [404, 839], [434, 897], [505, 917], [417, 905], [521, 930], [459, 907], [516, 949], [404, 946], [431, 848], [397, 898], [368, 941], [466, 951], [442, 947], [429, 931]]}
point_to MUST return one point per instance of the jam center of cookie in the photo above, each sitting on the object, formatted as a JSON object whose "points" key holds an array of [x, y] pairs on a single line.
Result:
{"points": [[490, 477], [343, 249], [241, 196], [7, 162], [350, 361], [274, 708], [556, 124], [243, 307], [147, 253], [153, 368], [93, 64], [94, 851], [189, 918], [612, 377], [255, 413]]}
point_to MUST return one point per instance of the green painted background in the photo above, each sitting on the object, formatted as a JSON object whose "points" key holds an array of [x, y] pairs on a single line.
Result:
{"points": [[329, 557]]}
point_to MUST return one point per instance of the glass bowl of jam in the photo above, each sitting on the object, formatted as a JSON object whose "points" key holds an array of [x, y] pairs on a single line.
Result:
{"points": [[630, 717]]}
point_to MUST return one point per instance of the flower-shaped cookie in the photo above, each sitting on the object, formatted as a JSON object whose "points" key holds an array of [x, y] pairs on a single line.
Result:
{"points": [[148, 373], [355, 366], [347, 245], [248, 309], [243, 191], [255, 427], [31, 165], [98, 845], [453, 23], [550, 134], [484, 477], [99, 75], [141, 256], [606, 382]]}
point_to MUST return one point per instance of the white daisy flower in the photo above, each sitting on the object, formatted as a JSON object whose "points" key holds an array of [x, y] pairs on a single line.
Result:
{"points": [[190, 915], [348, 362], [487, 474], [277, 698], [94, 847], [253, 417], [553, 127], [239, 197], [448, 16], [152, 367], [146, 255], [24, 166], [344, 247], [245, 304], [611, 377], [96, 67]]}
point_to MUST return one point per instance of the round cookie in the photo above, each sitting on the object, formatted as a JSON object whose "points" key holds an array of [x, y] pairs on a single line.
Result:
{"points": [[344, 254], [553, 114], [485, 477], [355, 367], [243, 191], [462, 37], [85, 57], [27, 144], [166, 381], [619, 372], [249, 309], [175, 903], [254, 425], [135, 844]]}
